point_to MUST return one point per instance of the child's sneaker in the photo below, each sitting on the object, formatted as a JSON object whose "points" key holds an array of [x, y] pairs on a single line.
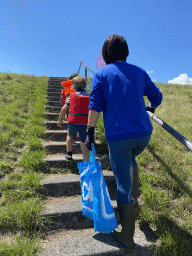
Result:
{"points": [[68, 158]]}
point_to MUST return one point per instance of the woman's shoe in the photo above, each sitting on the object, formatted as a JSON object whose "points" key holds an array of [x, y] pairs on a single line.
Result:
{"points": [[127, 219], [129, 244]]}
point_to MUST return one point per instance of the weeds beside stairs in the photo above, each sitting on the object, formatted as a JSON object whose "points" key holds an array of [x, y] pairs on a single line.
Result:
{"points": [[71, 233]]}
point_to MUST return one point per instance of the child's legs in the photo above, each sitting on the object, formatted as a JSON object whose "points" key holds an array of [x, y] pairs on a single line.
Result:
{"points": [[69, 142], [71, 132], [82, 135]]}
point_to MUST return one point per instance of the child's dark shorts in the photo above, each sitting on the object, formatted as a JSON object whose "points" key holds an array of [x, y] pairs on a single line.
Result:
{"points": [[74, 128]]}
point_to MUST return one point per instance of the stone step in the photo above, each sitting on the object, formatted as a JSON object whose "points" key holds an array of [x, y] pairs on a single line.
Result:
{"points": [[58, 135], [50, 98], [58, 161], [57, 185], [66, 212], [62, 78], [54, 103], [53, 109], [54, 90], [52, 116], [57, 79], [52, 125], [55, 147], [55, 83], [87, 242], [53, 94]]}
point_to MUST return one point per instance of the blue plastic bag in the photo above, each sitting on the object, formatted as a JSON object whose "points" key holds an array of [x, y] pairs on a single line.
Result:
{"points": [[96, 203]]}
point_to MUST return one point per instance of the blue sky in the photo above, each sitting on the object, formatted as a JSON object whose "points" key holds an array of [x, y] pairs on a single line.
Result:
{"points": [[49, 37]]}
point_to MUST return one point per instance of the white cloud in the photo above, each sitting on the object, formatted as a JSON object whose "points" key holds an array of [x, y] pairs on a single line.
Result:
{"points": [[149, 72], [181, 79]]}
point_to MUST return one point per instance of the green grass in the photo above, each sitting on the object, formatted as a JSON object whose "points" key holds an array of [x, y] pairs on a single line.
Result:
{"points": [[22, 103], [20, 247], [165, 175]]}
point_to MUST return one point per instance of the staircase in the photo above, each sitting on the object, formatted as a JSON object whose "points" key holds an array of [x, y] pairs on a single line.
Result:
{"points": [[71, 232], [55, 143]]}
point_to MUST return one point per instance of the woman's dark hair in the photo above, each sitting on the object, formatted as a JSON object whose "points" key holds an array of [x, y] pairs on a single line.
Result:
{"points": [[115, 48], [72, 76]]}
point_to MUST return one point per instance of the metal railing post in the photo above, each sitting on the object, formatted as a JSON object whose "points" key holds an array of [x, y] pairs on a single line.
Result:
{"points": [[80, 66], [86, 73]]}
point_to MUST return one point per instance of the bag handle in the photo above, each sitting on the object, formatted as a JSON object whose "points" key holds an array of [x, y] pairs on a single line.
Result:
{"points": [[92, 153]]}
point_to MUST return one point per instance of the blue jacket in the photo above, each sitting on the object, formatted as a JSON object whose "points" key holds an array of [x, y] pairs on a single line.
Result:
{"points": [[118, 90]]}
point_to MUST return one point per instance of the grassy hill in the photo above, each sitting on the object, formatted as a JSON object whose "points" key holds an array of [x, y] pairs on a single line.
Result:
{"points": [[165, 166], [22, 104]]}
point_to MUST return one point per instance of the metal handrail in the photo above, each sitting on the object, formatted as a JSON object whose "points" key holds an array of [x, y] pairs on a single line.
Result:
{"points": [[172, 131]]}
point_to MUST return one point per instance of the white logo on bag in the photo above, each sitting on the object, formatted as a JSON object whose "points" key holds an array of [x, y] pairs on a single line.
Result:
{"points": [[88, 188]]}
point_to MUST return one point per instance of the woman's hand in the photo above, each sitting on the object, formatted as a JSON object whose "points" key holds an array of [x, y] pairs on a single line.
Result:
{"points": [[90, 137], [149, 108]]}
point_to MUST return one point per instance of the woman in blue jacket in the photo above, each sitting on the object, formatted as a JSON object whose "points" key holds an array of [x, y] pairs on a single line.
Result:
{"points": [[117, 91]]}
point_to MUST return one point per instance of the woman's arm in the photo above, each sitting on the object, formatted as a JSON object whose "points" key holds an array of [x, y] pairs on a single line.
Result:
{"points": [[93, 118]]}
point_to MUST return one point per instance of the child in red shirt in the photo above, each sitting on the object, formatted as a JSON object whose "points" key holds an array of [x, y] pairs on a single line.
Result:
{"points": [[77, 105]]}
